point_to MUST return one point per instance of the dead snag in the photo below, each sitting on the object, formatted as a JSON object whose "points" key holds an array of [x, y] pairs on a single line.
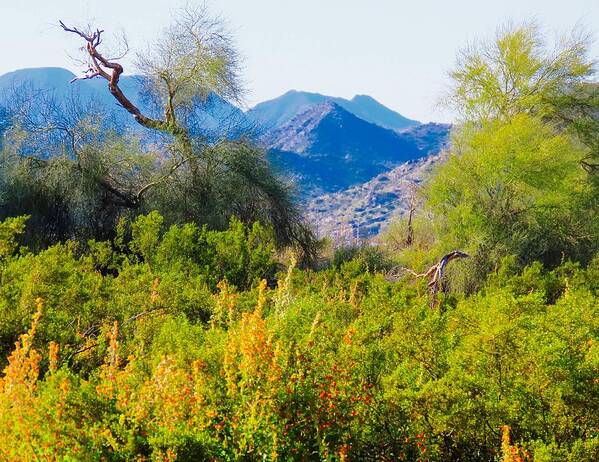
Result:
{"points": [[411, 210], [99, 66], [435, 273]]}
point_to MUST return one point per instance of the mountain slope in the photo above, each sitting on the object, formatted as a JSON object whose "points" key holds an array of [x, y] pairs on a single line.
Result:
{"points": [[327, 149], [369, 109], [430, 138], [363, 210], [278, 111]]}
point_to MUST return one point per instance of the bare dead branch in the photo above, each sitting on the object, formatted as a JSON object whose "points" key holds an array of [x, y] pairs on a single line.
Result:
{"points": [[434, 274], [411, 210], [110, 71], [90, 73]]}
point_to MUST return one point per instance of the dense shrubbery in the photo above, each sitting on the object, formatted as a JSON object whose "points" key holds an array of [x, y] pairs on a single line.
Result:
{"points": [[521, 175], [144, 348]]}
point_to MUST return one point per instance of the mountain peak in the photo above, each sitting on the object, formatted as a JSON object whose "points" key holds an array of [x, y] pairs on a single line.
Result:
{"points": [[278, 111], [312, 116], [295, 135], [31, 71], [330, 149], [368, 98], [41, 77], [323, 109]]}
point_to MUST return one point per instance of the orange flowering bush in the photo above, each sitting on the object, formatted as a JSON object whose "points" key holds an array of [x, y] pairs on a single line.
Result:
{"points": [[509, 452], [146, 360], [35, 420]]}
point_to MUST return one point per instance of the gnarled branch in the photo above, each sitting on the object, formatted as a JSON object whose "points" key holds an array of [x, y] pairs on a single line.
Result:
{"points": [[434, 274], [111, 71]]}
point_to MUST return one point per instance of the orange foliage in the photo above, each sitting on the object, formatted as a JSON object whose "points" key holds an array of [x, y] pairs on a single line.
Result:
{"points": [[509, 452], [22, 370]]}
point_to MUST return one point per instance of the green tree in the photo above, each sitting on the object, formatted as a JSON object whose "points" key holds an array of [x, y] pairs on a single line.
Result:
{"points": [[10, 229], [195, 59], [514, 188], [77, 168], [514, 183], [519, 72]]}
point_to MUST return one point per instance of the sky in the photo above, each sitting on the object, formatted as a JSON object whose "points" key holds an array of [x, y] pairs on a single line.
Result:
{"points": [[396, 51]]}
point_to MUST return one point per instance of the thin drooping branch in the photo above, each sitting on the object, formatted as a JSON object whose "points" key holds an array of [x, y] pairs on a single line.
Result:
{"points": [[146, 187], [41, 115]]}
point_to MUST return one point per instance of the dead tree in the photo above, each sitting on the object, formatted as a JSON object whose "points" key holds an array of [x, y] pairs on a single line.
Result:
{"points": [[434, 274], [111, 71], [411, 210]]}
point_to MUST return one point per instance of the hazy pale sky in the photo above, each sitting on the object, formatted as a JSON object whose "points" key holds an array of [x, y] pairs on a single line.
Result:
{"points": [[397, 51]]}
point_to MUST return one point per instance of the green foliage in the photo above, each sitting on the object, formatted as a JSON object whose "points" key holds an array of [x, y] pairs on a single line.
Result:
{"points": [[149, 359], [68, 197], [514, 188], [518, 72], [241, 254], [359, 258], [175, 272], [10, 229], [145, 235], [175, 339], [519, 180]]}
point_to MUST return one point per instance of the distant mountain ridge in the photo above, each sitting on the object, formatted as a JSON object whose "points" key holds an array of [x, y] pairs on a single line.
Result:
{"points": [[328, 149], [276, 112], [350, 159], [363, 210], [58, 80], [213, 113], [268, 115], [328, 128]]}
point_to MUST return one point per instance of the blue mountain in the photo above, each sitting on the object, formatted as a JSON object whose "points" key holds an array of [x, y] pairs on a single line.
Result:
{"points": [[210, 115], [57, 80], [276, 112], [327, 144], [327, 148]]}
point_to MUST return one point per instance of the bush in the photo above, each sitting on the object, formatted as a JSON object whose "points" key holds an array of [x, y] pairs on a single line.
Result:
{"points": [[360, 258], [151, 360]]}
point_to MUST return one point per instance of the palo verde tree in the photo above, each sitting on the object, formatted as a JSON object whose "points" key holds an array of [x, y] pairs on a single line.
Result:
{"points": [[520, 73], [519, 180], [181, 173], [193, 59]]}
